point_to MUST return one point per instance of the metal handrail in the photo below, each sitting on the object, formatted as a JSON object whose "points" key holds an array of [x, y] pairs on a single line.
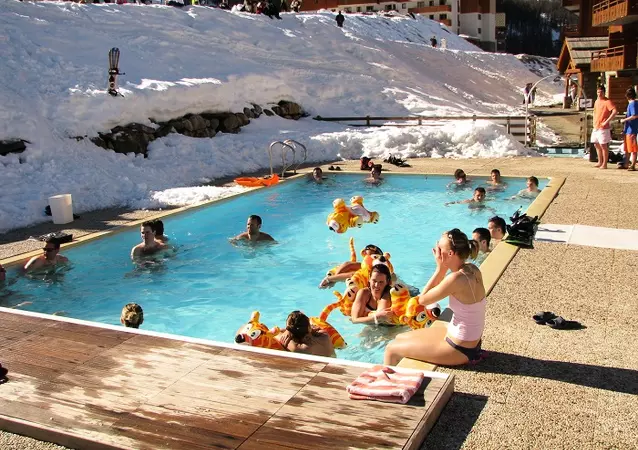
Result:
{"points": [[284, 146], [294, 144]]}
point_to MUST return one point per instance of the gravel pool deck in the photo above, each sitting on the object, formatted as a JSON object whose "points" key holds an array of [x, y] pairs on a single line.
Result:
{"points": [[539, 387]]}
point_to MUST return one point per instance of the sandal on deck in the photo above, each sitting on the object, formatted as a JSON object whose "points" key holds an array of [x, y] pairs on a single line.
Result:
{"points": [[543, 317], [559, 323]]}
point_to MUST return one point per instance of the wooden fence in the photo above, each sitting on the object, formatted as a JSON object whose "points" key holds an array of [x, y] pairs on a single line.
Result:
{"points": [[514, 125]]}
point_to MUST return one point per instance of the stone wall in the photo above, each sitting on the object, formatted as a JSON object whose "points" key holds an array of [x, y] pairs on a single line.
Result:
{"points": [[135, 137]]}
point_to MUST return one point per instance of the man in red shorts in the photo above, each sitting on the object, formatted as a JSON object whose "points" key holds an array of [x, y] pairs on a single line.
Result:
{"points": [[631, 129], [604, 112]]}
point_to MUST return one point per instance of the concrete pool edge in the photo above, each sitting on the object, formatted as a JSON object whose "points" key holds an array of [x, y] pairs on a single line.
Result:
{"points": [[496, 263]]}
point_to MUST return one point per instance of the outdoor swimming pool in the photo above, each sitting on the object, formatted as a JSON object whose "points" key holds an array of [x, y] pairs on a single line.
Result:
{"points": [[209, 288]]}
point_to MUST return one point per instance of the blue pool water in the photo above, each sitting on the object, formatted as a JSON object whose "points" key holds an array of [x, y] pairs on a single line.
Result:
{"points": [[209, 287]]}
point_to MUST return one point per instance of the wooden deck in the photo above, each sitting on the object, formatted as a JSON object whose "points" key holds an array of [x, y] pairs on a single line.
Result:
{"points": [[96, 388]]}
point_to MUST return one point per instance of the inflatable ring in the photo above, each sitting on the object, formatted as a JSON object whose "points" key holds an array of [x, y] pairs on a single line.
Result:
{"points": [[258, 182]]}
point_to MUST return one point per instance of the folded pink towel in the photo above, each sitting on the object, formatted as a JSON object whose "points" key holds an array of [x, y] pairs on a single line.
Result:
{"points": [[386, 384]]}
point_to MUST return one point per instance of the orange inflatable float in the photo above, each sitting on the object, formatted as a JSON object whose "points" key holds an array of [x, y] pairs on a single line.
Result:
{"points": [[258, 182]]}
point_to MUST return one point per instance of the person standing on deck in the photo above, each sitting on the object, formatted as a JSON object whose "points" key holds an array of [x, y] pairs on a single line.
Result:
{"points": [[631, 129], [604, 112]]}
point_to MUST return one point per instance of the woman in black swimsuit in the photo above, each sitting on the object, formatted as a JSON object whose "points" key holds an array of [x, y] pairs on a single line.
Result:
{"points": [[372, 304]]}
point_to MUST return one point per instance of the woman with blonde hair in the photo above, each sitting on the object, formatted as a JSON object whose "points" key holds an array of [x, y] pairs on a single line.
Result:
{"points": [[460, 342], [132, 315]]}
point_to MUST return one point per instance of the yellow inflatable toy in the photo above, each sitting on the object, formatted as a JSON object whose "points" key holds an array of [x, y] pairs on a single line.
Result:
{"points": [[256, 334], [357, 208], [353, 258], [343, 217], [414, 314], [357, 281]]}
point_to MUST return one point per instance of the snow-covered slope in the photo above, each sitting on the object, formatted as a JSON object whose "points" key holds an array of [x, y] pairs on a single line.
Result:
{"points": [[177, 61], [188, 60]]}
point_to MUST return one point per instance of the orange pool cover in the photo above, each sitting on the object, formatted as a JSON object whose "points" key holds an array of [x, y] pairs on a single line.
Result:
{"points": [[256, 182]]}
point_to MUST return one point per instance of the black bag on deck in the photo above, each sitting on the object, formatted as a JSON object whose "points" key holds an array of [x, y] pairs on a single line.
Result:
{"points": [[522, 230]]}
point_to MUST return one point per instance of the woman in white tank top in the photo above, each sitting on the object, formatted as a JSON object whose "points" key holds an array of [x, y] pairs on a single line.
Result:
{"points": [[460, 342]]}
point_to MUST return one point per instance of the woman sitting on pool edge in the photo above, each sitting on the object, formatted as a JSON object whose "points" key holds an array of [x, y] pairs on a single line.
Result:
{"points": [[460, 342], [372, 304], [300, 337]]}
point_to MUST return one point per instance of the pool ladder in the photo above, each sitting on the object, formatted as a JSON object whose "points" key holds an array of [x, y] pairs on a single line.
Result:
{"points": [[293, 146]]}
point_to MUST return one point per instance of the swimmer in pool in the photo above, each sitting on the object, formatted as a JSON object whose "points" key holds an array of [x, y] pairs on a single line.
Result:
{"points": [[531, 191], [253, 231], [375, 175], [477, 200], [372, 304], [149, 245], [460, 179], [496, 183], [132, 315], [158, 227], [51, 257], [301, 337]]}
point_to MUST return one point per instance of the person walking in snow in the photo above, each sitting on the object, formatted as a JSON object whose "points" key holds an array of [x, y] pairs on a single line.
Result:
{"points": [[433, 41], [340, 19]]}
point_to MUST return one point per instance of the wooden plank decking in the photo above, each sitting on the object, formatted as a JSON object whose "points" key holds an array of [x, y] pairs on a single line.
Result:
{"points": [[96, 388]]}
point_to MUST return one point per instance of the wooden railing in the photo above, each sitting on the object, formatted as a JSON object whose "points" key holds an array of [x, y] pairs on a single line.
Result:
{"points": [[447, 22], [615, 58], [607, 12], [514, 125], [431, 9]]}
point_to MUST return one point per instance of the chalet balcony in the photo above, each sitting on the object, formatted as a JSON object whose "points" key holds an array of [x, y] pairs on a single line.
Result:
{"points": [[572, 5], [614, 12], [613, 59], [431, 9]]}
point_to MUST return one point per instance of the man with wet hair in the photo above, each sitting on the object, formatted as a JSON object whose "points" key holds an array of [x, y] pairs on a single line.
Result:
{"points": [[158, 227], [149, 244], [497, 227], [50, 258], [253, 231]]}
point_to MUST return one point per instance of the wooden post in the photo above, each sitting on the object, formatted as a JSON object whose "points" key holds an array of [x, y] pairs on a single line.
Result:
{"points": [[368, 120], [509, 130], [420, 123]]}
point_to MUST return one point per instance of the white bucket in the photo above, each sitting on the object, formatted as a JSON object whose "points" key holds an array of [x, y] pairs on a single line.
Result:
{"points": [[61, 208]]}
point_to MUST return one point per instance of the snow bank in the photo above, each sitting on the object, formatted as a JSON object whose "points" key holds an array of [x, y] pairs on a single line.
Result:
{"points": [[199, 59]]}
